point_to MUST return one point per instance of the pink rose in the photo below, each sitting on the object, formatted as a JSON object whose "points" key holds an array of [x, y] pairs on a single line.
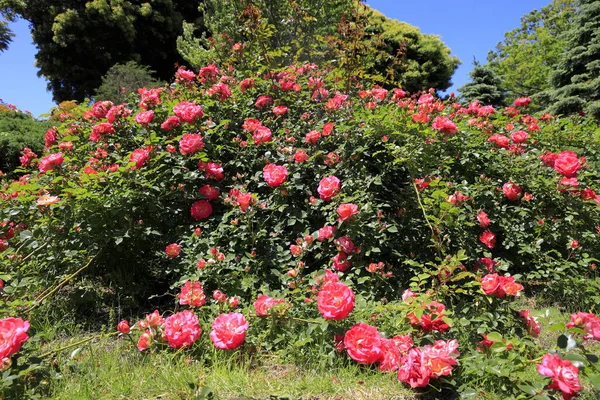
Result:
{"points": [[565, 375], [328, 187], [192, 294], [414, 369], [13, 333], [488, 238], [188, 112], [363, 343], [325, 233], [444, 125], [190, 143], [123, 327], [50, 161], [567, 163], [209, 192], [512, 191], [182, 329], [275, 174], [346, 211], [139, 157], [519, 136], [263, 101], [522, 102], [335, 301], [144, 117], [229, 331]]}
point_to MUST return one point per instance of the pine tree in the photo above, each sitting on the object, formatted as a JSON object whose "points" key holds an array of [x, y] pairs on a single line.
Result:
{"points": [[576, 79], [485, 86]]}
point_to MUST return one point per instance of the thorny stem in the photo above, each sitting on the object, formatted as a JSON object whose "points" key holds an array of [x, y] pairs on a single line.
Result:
{"points": [[77, 343]]}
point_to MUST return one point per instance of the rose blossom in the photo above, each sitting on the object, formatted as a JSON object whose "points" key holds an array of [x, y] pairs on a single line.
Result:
{"points": [[192, 294], [588, 322], [565, 375], [209, 192], [363, 343], [567, 163], [512, 191], [346, 211], [335, 301], [519, 136], [190, 143], [229, 331], [414, 369], [500, 285], [533, 326], [188, 112], [139, 157], [328, 187], [201, 209], [123, 327], [145, 341], [274, 174], [488, 238], [182, 329], [522, 102], [325, 233], [444, 125], [173, 250], [13, 333], [50, 161], [484, 220], [264, 303]]}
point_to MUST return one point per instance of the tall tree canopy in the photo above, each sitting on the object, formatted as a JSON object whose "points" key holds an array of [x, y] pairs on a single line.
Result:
{"points": [[354, 36], [485, 86], [6, 35], [528, 54], [576, 79], [78, 41]]}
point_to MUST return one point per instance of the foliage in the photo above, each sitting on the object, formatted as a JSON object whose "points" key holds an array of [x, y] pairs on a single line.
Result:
{"points": [[424, 61], [225, 183], [527, 55], [485, 87], [6, 35], [79, 41], [349, 35], [576, 78], [17, 131], [122, 79]]}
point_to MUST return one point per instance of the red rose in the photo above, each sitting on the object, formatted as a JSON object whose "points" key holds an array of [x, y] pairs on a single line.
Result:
{"points": [[13, 333], [483, 219], [533, 326], [139, 157], [565, 375], [201, 210], [182, 329], [170, 123], [490, 283], [488, 238], [275, 174], [50, 161], [123, 327], [229, 331], [312, 137], [328, 128], [567, 163], [192, 294], [262, 134], [173, 250], [328, 187], [211, 193], [512, 191], [340, 262], [346, 245], [335, 301], [190, 143], [301, 156], [363, 343], [346, 211]]}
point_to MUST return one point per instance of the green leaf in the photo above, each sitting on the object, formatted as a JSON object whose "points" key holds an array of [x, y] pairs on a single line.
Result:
{"points": [[577, 359], [528, 389], [469, 393], [594, 380], [494, 337]]}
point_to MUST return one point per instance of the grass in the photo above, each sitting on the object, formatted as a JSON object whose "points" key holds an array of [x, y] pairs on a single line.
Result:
{"points": [[111, 369]]}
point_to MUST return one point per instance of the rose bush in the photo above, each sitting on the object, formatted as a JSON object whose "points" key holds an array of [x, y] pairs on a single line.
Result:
{"points": [[202, 188]]}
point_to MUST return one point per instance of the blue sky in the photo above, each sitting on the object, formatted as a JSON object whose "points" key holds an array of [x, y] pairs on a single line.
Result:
{"points": [[471, 28]]}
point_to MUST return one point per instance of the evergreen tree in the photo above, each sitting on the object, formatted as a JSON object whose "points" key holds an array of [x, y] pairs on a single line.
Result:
{"points": [[485, 86], [576, 79], [123, 79]]}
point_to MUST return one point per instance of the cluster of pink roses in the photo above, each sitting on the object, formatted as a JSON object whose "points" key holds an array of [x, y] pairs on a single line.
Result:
{"points": [[416, 366], [590, 323]]}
